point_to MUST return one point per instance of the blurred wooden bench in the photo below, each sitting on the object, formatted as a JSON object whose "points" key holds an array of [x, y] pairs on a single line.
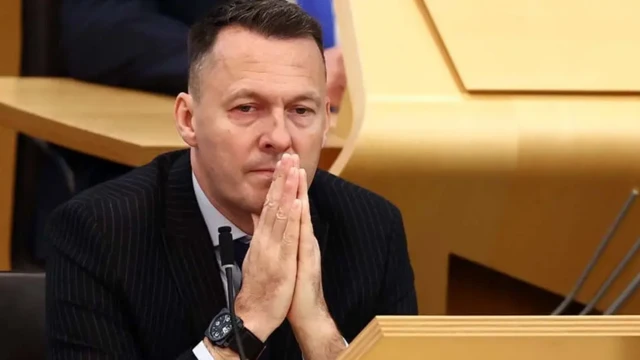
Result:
{"points": [[509, 138], [124, 126]]}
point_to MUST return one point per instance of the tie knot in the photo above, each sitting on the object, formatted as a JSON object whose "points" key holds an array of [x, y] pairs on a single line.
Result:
{"points": [[240, 248]]}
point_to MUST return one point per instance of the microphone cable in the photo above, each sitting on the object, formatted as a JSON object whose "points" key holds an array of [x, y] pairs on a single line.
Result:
{"points": [[626, 294], [614, 275]]}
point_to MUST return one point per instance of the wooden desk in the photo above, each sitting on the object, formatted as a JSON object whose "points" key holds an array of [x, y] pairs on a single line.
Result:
{"points": [[497, 338], [123, 126]]}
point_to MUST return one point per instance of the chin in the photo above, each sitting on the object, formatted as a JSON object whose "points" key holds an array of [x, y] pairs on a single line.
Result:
{"points": [[254, 199]]}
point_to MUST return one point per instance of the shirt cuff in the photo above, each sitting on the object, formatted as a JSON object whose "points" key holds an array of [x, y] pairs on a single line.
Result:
{"points": [[201, 352]]}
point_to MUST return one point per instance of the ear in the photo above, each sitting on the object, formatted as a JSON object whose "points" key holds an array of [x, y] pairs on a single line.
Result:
{"points": [[183, 114], [327, 121]]}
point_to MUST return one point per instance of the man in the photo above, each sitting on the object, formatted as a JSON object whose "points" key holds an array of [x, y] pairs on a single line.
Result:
{"points": [[136, 44], [136, 272]]}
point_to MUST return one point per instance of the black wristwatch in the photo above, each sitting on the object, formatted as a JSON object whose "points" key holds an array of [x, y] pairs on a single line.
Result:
{"points": [[220, 333]]}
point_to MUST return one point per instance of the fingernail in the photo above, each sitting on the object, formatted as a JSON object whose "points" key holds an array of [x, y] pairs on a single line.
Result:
{"points": [[285, 156], [278, 164]]}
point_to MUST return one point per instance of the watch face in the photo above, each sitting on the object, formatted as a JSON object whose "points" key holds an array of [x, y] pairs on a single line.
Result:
{"points": [[220, 327]]}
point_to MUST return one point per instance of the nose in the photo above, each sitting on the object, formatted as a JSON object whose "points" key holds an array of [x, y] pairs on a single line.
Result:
{"points": [[277, 138]]}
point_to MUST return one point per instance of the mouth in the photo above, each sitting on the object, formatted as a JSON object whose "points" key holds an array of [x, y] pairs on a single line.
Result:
{"points": [[266, 172]]}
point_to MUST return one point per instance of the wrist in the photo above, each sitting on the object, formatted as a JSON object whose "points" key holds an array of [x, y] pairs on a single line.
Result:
{"points": [[320, 339], [319, 326], [261, 326], [220, 353]]}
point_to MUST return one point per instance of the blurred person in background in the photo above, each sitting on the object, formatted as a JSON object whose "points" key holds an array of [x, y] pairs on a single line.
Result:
{"points": [[142, 44]]}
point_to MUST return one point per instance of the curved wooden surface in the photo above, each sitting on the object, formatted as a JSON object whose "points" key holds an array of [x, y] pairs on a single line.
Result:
{"points": [[125, 126], [524, 183]]}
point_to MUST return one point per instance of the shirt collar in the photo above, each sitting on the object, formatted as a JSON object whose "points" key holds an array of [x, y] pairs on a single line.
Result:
{"points": [[212, 217]]}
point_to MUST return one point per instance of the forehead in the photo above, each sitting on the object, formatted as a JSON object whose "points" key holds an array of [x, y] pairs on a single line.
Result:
{"points": [[244, 58]]}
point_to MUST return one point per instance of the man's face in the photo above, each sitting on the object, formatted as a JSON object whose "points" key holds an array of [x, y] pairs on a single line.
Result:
{"points": [[259, 98]]}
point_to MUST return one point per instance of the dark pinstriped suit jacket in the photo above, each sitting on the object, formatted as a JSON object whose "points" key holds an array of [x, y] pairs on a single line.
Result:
{"points": [[133, 274]]}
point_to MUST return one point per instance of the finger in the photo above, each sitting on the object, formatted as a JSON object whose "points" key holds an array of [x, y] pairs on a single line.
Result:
{"points": [[307, 248], [292, 231], [303, 195], [296, 160], [272, 200], [286, 202], [269, 198]]}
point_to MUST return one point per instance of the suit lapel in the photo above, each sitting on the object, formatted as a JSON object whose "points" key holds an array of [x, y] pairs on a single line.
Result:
{"points": [[190, 250]]}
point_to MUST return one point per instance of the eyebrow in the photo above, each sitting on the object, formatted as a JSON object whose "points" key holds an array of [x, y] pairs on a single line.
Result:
{"points": [[309, 95], [242, 93], [248, 93]]}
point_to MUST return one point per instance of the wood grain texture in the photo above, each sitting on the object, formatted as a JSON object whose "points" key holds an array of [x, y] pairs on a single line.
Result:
{"points": [[457, 338], [525, 184]]}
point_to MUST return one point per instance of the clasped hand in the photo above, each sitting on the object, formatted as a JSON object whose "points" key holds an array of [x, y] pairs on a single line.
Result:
{"points": [[282, 269]]}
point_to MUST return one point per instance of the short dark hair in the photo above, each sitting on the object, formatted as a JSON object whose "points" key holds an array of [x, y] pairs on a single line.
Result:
{"points": [[270, 18]]}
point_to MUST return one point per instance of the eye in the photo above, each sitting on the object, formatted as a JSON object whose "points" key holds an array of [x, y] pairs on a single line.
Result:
{"points": [[302, 111], [245, 108]]}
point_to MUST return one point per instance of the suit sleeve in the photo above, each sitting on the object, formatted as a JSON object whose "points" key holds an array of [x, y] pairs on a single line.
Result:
{"points": [[127, 43], [398, 296], [85, 319]]}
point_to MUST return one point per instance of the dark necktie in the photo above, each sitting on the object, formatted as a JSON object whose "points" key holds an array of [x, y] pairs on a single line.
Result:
{"points": [[240, 248]]}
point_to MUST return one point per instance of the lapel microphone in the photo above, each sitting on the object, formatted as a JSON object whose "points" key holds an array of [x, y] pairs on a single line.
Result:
{"points": [[225, 240]]}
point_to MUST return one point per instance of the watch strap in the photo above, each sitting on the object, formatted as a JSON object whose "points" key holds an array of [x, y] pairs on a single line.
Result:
{"points": [[252, 346]]}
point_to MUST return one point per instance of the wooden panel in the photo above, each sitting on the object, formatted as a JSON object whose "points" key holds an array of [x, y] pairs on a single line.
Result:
{"points": [[542, 45], [120, 125], [522, 183], [8, 144], [10, 36], [477, 290]]}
